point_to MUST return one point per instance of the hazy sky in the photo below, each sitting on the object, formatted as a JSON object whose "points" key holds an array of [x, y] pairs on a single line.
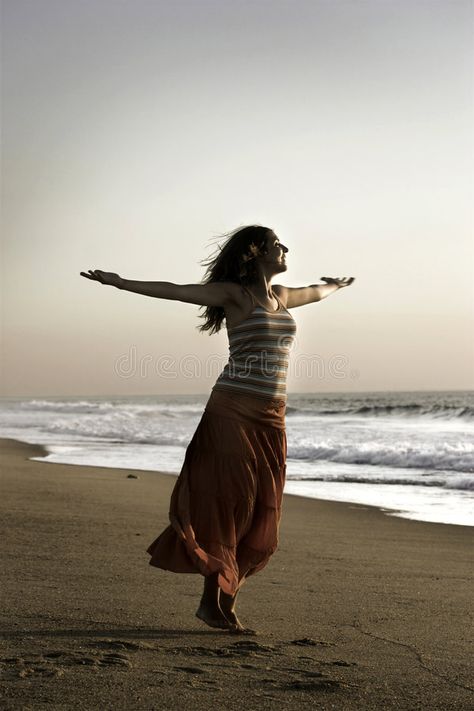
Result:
{"points": [[135, 132]]}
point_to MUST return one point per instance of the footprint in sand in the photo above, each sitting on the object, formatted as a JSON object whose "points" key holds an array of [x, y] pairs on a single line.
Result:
{"points": [[120, 644], [309, 642], [249, 647], [56, 663], [116, 659], [191, 670], [244, 648], [249, 666], [265, 663], [322, 684]]}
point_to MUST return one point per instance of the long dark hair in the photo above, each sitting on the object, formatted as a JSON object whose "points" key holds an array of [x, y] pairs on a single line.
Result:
{"points": [[229, 264]]}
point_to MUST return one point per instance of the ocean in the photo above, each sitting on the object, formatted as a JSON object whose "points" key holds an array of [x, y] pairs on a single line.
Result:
{"points": [[410, 453]]}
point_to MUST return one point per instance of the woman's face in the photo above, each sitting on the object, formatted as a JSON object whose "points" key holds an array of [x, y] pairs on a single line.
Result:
{"points": [[276, 252]]}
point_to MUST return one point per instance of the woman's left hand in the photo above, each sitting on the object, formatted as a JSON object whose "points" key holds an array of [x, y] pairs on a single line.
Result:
{"points": [[340, 281]]}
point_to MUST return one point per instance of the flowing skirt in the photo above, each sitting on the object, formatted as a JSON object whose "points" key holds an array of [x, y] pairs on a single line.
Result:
{"points": [[226, 504]]}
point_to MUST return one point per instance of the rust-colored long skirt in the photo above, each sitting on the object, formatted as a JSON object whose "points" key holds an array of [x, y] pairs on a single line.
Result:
{"points": [[226, 504]]}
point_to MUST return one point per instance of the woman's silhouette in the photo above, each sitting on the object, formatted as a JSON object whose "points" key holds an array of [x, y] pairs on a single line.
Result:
{"points": [[225, 508]]}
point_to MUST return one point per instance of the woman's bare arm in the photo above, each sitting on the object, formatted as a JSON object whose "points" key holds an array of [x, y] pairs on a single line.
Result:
{"points": [[212, 294], [299, 296]]}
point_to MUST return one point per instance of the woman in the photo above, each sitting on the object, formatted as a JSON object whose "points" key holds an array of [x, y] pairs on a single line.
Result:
{"points": [[225, 507]]}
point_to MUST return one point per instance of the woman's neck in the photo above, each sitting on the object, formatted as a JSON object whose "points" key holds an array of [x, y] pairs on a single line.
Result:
{"points": [[262, 288]]}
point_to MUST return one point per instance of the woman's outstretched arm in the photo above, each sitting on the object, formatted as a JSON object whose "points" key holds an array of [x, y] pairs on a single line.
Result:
{"points": [[212, 294], [299, 296]]}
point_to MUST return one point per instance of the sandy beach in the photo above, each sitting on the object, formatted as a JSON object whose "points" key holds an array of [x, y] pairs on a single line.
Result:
{"points": [[356, 610]]}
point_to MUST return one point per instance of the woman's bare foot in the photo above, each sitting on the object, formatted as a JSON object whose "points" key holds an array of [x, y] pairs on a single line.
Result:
{"points": [[239, 629], [213, 616], [236, 626]]}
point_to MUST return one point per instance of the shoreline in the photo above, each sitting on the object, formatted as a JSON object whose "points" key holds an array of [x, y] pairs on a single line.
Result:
{"points": [[45, 452], [356, 609], [386, 510]]}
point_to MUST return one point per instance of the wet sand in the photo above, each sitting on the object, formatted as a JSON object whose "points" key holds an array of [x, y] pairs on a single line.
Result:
{"points": [[356, 610]]}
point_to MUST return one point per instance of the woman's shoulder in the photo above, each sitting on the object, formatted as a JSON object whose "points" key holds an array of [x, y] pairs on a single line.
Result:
{"points": [[236, 291]]}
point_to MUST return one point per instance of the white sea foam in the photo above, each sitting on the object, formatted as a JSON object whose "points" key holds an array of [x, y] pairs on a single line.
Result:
{"points": [[383, 442]]}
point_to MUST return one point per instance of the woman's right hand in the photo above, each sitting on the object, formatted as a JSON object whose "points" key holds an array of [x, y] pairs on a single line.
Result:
{"points": [[108, 278]]}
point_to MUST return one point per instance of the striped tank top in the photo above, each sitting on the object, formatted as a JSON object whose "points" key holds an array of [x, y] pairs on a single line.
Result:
{"points": [[259, 350]]}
